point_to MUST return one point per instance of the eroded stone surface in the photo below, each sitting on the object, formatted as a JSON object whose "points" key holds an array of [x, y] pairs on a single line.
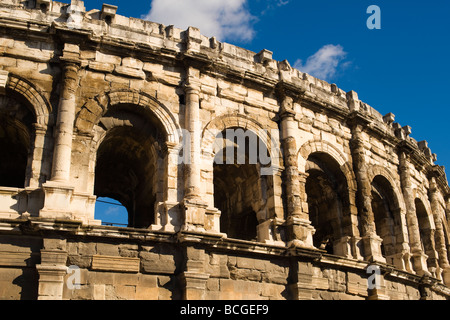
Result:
{"points": [[94, 104]]}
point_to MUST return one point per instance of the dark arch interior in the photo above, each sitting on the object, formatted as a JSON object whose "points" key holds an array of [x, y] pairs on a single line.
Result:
{"points": [[239, 189], [326, 190], [384, 207], [16, 122], [127, 164], [426, 237]]}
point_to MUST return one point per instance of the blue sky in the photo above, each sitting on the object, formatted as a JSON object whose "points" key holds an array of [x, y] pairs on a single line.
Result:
{"points": [[401, 68]]}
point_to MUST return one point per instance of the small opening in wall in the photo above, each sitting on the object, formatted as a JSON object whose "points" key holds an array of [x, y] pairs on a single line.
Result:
{"points": [[43, 7], [108, 20]]}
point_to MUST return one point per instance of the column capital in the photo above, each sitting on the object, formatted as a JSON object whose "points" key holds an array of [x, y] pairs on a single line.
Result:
{"points": [[71, 54], [192, 86], [286, 113]]}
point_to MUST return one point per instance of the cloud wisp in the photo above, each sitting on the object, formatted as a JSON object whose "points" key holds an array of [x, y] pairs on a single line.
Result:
{"points": [[225, 20], [324, 63]]}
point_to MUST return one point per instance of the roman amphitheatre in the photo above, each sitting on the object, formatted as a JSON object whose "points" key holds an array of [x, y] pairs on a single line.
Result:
{"points": [[94, 104]]}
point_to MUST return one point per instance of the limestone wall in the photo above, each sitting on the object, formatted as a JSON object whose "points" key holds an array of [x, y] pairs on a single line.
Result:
{"points": [[94, 104]]}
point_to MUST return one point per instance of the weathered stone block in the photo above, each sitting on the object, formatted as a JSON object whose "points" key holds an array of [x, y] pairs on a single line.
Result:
{"points": [[120, 264], [153, 263]]}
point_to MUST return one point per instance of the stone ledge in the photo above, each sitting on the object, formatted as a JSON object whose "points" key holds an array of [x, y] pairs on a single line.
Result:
{"points": [[18, 259]]}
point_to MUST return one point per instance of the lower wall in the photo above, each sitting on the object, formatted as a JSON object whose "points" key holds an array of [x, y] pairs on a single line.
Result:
{"points": [[128, 264]]}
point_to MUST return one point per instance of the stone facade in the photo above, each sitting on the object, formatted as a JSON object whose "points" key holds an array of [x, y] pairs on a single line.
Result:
{"points": [[94, 104]]}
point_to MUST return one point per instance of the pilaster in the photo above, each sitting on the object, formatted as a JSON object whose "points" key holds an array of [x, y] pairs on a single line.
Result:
{"points": [[439, 217], [194, 277], [370, 240], [419, 258], [299, 229], [52, 270]]}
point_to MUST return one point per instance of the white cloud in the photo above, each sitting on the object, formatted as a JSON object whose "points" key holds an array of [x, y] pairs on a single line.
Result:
{"points": [[324, 63], [222, 19], [112, 211]]}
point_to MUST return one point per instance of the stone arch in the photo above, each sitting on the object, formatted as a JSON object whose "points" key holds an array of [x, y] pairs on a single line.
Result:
{"points": [[95, 108], [389, 214], [24, 128], [423, 197], [244, 219], [313, 146], [33, 96], [330, 189], [427, 228], [219, 124], [149, 128], [377, 170]]}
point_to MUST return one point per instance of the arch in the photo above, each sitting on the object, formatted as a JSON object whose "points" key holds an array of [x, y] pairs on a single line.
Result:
{"points": [[377, 170], [219, 124], [241, 191], [329, 202], [345, 208], [426, 226], [26, 114], [95, 108], [127, 159], [142, 128], [389, 215], [423, 197], [314, 146], [27, 91]]}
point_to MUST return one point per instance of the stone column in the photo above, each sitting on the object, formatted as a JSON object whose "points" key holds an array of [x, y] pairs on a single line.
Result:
{"points": [[300, 230], [371, 241], [64, 126], [439, 216], [419, 258], [58, 191], [193, 203]]}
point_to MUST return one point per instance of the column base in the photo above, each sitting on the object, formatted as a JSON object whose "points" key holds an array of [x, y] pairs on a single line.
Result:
{"points": [[372, 248], [168, 217], [300, 232], [57, 198], [343, 247], [268, 232], [446, 276], [419, 261], [194, 215]]}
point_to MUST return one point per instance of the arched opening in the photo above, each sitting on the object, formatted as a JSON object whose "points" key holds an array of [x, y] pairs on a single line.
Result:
{"points": [[128, 163], [385, 211], [240, 191], [425, 230], [327, 196], [16, 127]]}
